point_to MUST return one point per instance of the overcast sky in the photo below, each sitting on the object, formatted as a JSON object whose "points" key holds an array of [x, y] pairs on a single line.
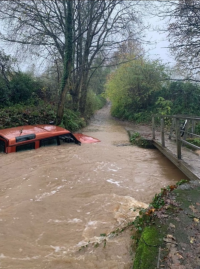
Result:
{"points": [[157, 48], [159, 45]]}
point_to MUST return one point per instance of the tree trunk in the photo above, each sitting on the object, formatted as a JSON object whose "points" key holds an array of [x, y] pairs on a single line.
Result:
{"points": [[83, 100], [76, 97], [68, 58], [61, 105]]}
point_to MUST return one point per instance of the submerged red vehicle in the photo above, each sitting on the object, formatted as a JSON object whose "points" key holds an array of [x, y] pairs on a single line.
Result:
{"points": [[35, 136]]}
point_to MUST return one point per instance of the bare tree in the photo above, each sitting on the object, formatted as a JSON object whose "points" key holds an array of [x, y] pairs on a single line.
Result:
{"points": [[183, 28], [6, 67], [102, 22], [184, 34], [74, 31]]}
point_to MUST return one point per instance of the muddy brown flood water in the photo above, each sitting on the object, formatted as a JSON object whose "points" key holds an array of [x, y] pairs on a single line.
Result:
{"points": [[55, 200]]}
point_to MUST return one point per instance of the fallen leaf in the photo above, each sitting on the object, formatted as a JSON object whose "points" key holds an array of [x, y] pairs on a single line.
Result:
{"points": [[179, 256], [169, 236], [196, 220], [172, 187], [150, 211], [194, 210], [192, 240], [165, 216], [172, 225]]}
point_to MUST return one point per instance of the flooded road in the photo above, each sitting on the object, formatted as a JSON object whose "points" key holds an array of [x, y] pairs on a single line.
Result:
{"points": [[57, 203]]}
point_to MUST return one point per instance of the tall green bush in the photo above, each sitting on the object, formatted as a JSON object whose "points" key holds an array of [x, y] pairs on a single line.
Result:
{"points": [[4, 93], [132, 86], [185, 97], [22, 87]]}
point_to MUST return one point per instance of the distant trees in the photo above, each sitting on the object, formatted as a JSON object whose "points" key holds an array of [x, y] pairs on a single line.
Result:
{"points": [[5, 71], [74, 32], [141, 88], [184, 97], [127, 51], [15, 86], [131, 87]]}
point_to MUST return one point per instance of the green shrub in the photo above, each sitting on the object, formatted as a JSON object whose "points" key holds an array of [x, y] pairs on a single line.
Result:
{"points": [[43, 113], [4, 93], [131, 89], [20, 114], [72, 120], [134, 137], [23, 87], [194, 141], [139, 141], [197, 129]]}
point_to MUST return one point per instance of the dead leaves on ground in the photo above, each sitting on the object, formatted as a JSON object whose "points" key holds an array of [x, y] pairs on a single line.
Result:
{"points": [[170, 239], [161, 212], [150, 211], [182, 244], [182, 247]]}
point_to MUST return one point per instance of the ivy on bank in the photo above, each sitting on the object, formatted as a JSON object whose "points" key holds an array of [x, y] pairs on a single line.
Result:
{"points": [[43, 113]]}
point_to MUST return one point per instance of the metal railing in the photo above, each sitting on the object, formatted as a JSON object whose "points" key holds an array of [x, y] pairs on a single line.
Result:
{"points": [[177, 127]]}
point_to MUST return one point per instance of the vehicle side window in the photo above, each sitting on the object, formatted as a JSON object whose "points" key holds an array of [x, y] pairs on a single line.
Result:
{"points": [[2, 146], [52, 141], [24, 147]]}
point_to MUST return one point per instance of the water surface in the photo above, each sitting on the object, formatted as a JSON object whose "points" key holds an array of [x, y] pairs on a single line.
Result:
{"points": [[56, 200]]}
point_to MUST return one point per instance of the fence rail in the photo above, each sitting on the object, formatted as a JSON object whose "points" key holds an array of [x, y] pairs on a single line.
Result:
{"points": [[177, 127]]}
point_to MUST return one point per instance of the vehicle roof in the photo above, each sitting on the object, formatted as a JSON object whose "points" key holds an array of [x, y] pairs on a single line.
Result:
{"points": [[41, 131]]}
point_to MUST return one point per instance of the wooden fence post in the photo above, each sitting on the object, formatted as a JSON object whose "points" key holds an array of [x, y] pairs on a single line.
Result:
{"points": [[193, 127], [153, 127], [162, 132], [178, 138], [171, 129], [186, 130]]}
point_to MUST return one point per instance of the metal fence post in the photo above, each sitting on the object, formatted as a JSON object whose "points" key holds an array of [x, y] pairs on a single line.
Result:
{"points": [[153, 127], [162, 132], [178, 138]]}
